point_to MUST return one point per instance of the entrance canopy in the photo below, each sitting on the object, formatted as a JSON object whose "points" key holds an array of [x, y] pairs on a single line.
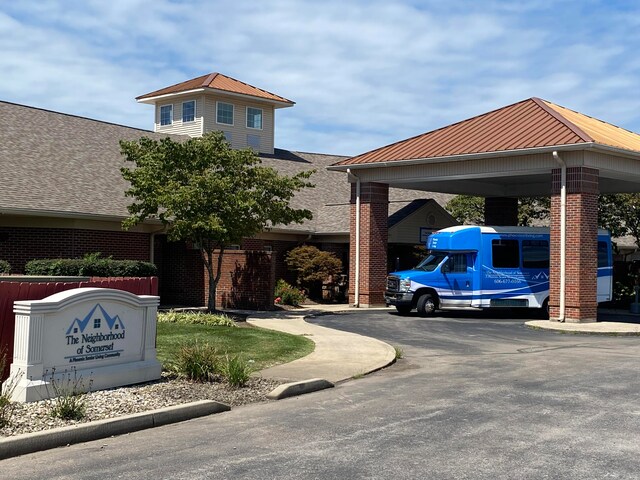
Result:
{"points": [[531, 148], [505, 153]]}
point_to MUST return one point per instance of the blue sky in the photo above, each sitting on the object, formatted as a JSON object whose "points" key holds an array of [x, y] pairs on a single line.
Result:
{"points": [[362, 73]]}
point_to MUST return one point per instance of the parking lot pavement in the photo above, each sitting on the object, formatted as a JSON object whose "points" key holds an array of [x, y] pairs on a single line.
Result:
{"points": [[475, 397]]}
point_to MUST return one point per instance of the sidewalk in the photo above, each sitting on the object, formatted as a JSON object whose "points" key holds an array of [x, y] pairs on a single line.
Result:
{"points": [[338, 355]]}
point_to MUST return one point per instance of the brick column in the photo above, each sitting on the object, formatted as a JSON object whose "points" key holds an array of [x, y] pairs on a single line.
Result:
{"points": [[500, 211], [581, 303], [374, 213]]}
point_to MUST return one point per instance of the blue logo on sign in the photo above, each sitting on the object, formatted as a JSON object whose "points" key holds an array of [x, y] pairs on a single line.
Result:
{"points": [[96, 319]]}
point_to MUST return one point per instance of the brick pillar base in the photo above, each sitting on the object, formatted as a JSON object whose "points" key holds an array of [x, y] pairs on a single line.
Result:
{"points": [[374, 213], [581, 304], [500, 211]]}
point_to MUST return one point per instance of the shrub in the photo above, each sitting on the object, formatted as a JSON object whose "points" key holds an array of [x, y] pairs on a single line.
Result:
{"points": [[197, 362], [287, 294], [7, 407], [313, 268], [236, 370], [313, 265], [69, 401], [92, 265], [5, 267], [211, 319]]}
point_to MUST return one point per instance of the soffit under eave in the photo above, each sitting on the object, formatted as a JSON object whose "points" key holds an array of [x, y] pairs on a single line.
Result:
{"points": [[473, 168]]}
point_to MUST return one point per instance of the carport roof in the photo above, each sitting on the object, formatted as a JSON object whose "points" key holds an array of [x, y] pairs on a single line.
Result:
{"points": [[529, 124]]}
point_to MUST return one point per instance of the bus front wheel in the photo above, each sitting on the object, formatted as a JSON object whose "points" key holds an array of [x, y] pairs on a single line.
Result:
{"points": [[426, 305]]}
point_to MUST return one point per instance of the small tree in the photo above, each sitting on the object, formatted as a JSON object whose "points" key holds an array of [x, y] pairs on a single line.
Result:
{"points": [[620, 214], [207, 193], [312, 265]]}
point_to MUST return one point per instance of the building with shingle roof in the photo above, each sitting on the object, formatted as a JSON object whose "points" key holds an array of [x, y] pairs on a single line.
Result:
{"points": [[62, 194]]}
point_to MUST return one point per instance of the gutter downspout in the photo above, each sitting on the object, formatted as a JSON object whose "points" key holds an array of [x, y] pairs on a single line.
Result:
{"points": [[356, 292], [563, 232]]}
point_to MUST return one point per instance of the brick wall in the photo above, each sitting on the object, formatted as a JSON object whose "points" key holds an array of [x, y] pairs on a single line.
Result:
{"points": [[374, 213], [581, 248], [18, 245], [247, 279]]}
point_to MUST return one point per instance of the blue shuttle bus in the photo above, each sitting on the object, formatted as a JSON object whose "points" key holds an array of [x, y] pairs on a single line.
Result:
{"points": [[471, 267]]}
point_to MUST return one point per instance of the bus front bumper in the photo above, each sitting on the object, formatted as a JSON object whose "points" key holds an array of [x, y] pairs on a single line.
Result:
{"points": [[398, 299]]}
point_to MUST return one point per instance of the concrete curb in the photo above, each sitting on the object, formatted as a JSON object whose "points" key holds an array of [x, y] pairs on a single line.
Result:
{"points": [[299, 388], [58, 437], [595, 328]]}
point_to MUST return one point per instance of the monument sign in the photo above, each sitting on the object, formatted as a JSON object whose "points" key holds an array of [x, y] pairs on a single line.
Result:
{"points": [[104, 337]]}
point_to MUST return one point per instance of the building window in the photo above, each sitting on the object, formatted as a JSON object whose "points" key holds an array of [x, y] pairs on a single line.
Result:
{"points": [[254, 118], [253, 141], [227, 135], [166, 114], [225, 113], [96, 323], [189, 111]]}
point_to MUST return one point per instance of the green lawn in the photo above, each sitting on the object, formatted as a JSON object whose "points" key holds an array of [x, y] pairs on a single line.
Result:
{"points": [[265, 347]]}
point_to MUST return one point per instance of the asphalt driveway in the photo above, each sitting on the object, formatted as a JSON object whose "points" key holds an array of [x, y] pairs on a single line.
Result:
{"points": [[474, 398]]}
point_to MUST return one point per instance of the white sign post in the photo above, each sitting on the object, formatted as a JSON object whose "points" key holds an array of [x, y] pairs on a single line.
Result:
{"points": [[101, 336]]}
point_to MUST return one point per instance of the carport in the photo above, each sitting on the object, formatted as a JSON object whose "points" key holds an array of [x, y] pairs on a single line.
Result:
{"points": [[530, 148]]}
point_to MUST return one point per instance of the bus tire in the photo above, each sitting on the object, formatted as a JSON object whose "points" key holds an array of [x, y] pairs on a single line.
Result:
{"points": [[426, 305], [545, 309], [403, 309]]}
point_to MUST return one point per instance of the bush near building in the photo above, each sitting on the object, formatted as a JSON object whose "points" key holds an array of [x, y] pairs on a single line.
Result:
{"points": [[92, 265], [313, 268], [4, 267]]}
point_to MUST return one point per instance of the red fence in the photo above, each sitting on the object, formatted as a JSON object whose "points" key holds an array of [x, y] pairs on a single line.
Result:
{"points": [[13, 291]]}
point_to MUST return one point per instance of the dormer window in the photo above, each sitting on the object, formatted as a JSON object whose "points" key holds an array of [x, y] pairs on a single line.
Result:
{"points": [[188, 111], [224, 113], [254, 118], [166, 114]]}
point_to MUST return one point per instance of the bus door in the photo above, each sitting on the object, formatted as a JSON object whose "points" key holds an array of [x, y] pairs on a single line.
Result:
{"points": [[457, 272]]}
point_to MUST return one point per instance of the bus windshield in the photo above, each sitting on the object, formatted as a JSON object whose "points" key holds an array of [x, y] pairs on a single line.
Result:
{"points": [[430, 263]]}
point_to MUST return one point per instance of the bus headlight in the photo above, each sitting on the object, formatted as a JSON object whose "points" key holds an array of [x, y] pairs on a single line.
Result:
{"points": [[405, 285]]}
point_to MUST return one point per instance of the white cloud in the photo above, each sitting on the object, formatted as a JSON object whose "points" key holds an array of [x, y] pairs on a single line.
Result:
{"points": [[363, 73]]}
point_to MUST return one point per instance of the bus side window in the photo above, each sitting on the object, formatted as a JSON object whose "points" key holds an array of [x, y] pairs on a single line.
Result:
{"points": [[456, 263], [505, 253], [603, 255], [535, 254]]}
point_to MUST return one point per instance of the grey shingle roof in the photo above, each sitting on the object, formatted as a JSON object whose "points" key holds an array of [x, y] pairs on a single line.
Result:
{"points": [[329, 200], [61, 163], [66, 165]]}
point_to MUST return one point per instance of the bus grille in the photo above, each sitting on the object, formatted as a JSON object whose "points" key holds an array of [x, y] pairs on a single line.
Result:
{"points": [[393, 283]]}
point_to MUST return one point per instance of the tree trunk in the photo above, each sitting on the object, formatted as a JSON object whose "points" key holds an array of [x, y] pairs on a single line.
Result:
{"points": [[214, 275]]}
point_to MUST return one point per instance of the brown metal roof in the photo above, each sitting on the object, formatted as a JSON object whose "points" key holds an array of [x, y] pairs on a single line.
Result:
{"points": [[601, 132], [217, 81], [531, 123]]}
